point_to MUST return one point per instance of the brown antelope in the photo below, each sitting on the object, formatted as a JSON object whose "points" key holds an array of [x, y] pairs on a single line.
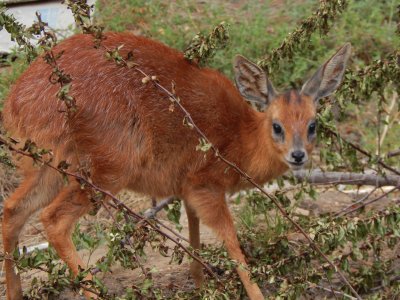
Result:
{"points": [[123, 130]]}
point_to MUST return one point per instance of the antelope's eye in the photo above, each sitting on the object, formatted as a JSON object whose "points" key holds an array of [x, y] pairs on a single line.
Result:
{"points": [[311, 128], [277, 128]]}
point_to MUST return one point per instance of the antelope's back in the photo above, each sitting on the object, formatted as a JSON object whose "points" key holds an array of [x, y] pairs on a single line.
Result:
{"points": [[122, 123]]}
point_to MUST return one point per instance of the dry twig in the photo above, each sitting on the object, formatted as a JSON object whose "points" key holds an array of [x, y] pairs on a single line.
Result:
{"points": [[121, 206], [232, 165]]}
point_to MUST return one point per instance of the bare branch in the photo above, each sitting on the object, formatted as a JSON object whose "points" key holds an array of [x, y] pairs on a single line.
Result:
{"points": [[334, 292], [362, 151], [320, 177], [393, 153], [192, 125], [117, 203], [386, 122], [363, 204], [362, 199], [152, 212], [394, 279]]}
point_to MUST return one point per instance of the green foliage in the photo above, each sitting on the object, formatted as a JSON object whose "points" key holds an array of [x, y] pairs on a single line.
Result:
{"points": [[320, 21], [256, 28], [202, 47], [46, 260], [12, 68], [279, 259], [174, 213], [19, 33], [288, 268]]}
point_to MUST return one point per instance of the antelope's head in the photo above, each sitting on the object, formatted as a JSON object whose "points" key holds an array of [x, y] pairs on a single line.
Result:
{"points": [[290, 117]]}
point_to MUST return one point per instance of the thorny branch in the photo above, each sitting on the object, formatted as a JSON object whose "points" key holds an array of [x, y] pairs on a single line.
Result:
{"points": [[350, 228], [363, 204], [81, 13], [126, 240], [47, 41], [320, 20], [362, 199], [18, 33], [190, 122], [362, 151], [88, 183], [81, 283], [334, 292], [202, 48], [153, 79]]}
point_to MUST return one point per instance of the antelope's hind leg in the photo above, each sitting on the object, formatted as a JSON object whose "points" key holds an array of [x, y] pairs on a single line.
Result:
{"points": [[59, 218], [38, 188]]}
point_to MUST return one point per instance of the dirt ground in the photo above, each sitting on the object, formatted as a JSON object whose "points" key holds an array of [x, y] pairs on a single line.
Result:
{"points": [[168, 275]]}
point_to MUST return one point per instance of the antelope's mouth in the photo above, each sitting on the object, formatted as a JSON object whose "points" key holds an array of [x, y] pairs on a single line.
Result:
{"points": [[296, 165]]}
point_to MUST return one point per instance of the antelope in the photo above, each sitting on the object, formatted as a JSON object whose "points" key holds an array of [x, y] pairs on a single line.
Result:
{"points": [[126, 134]]}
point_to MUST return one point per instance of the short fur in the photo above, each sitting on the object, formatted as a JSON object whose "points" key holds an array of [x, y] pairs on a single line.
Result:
{"points": [[124, 132]]}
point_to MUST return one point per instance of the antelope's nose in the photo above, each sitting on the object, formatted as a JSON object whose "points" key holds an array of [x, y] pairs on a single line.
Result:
{"points": [[298, 156]]}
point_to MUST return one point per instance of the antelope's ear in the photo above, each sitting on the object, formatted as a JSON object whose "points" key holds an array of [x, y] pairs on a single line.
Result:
{"points": [[252, 82], [329, 76]]}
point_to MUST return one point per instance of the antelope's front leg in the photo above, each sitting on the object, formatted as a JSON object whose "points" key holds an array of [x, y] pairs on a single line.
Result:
{"points": [[212, 210]]}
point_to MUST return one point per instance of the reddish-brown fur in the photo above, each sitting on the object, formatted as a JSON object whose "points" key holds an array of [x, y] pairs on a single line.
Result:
{"points": [[125, 133]]}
